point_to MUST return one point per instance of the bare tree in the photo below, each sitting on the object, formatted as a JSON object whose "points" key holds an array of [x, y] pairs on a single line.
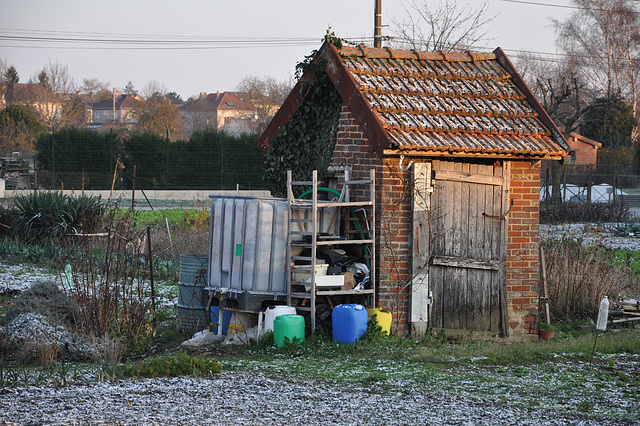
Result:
{"points": [[4, 65], [95, 89], [266, 94], [56, 77], [558, 87], [602, 39], [198, 114], [448, 27], [152, 88], [159, 116]]}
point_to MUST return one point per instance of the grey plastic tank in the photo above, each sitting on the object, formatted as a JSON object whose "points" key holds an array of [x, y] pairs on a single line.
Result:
{"points": [[248, 249]]}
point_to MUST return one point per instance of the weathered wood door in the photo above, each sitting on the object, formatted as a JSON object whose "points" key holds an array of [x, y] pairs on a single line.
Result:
{"points": [[467, 246]]}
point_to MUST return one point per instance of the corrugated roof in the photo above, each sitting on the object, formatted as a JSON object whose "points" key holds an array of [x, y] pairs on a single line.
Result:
{"points": [[456, 102]]}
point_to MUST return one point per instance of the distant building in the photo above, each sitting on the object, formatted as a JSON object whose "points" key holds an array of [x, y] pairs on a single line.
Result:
{"points": [[36, 96], [584, 151], [231, 112], [120, 109]]}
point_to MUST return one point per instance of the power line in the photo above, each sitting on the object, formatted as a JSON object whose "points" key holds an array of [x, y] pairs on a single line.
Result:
{"points": [[535, 3], [561, 6]]}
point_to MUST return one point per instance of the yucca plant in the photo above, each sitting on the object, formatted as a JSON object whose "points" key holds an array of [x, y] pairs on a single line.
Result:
{"points": [[53, 215]]}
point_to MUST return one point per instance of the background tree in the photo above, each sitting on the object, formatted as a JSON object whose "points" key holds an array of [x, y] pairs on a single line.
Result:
{"points": [[447, 27], [175, 98], [3, 68], [266, 94], [152, 88], [610, 121], [198, 115], [56, 77], [560, 90], [55, 100], [11, 76], [95, 90], [129, 90], [160, 117], [19, 129], [602, 40]]}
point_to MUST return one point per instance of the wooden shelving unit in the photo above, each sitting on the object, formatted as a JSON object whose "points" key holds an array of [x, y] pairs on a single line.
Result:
{"points": [[352, 223]]}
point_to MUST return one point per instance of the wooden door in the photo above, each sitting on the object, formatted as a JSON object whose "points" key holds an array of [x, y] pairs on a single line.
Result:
{"points": [[467, 245]]}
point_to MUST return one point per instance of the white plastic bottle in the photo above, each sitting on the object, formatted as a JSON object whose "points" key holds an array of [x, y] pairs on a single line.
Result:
{"points": [[603, 314]]}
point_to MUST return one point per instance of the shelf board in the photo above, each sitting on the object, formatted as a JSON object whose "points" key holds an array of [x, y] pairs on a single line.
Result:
{"points": [[325, 204], [343, 292], [342, 242]]}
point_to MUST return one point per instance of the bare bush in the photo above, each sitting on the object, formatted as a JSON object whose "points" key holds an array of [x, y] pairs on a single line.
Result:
{"points": [[39, 352], [109, 282], [580, 275]]}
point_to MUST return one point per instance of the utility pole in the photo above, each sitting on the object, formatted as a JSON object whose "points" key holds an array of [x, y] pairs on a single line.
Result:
{"points": [[377, 24]]}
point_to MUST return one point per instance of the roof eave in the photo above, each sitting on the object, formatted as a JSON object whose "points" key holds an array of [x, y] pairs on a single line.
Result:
{"points": [[423, 153]]}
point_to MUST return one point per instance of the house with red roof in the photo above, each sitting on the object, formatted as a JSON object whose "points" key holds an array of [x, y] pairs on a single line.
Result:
{"points": [[36, 96], [456, 141], [231, 112]]}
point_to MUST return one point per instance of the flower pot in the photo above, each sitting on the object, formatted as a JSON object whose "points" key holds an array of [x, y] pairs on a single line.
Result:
{"points": [[545, 334]]}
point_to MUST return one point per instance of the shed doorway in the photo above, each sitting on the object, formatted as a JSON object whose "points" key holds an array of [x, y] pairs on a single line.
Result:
{"points": [[468, 210]]}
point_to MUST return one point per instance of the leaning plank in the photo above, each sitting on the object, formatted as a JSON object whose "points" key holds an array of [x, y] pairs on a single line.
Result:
{"points": [[458, 262]]}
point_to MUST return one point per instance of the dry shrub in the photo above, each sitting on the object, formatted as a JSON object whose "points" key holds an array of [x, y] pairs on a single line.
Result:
{"points": [[39, 352], [108, 281], [570, 212], [185, 239], [580, 275], [110, 349], [46, 298]]}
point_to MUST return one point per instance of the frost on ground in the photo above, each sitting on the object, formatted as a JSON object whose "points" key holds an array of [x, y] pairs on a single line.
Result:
{"points": [[608, 235], [42, 314], [267, 398]]}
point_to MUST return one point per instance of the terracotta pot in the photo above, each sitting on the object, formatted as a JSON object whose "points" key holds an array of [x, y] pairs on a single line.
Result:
{"points": [[545, 334]]}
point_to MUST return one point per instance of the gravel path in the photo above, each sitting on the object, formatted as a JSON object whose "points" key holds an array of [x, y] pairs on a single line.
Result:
{"points": [[258, 398]]}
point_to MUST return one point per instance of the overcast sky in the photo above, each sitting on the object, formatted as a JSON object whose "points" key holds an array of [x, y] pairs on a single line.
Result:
{"points": [[217, 42]]}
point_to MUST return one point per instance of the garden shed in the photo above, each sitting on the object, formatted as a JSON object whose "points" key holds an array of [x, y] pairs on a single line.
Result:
{"points": [[456, 141]]}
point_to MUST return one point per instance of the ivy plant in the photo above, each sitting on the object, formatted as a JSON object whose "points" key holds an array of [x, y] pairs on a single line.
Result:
{"points": [[307, 141]]}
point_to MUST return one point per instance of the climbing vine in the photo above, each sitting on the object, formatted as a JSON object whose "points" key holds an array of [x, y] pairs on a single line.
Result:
{"points": [[307, 141]]}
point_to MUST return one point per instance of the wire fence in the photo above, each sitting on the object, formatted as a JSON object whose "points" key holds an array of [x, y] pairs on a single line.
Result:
{"points": [[200, 170], [86, 160], [594, 184]]}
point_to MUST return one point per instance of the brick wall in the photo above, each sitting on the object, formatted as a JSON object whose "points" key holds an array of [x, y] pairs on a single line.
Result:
{"points": [[522, 249], [586, 154], [393, 216], [394, 222]]}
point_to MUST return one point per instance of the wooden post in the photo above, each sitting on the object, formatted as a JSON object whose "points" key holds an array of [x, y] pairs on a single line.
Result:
{"points": [[153, 290], [419, 311], [589, 183], [545, 291], [133, 188]]}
